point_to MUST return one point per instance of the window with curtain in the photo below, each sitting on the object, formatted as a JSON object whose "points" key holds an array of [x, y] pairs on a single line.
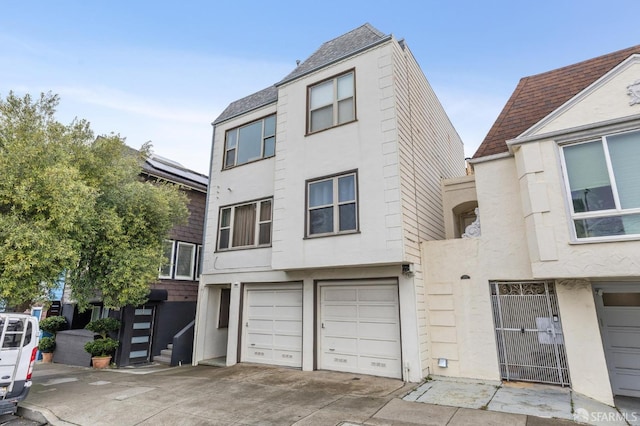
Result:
{"points": [[250, 142], [331, 102], [332, 205], [245, 225], [603, 180]]}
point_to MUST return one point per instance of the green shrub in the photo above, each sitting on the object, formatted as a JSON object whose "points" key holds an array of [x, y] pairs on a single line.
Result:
{"points": [[53, 324], [103, 326], [101, 347], [47, 344]]}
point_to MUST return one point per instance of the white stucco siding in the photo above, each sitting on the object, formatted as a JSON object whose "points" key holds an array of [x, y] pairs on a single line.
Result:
{"points": [[460, 323], [546, 213], [604, 100], [230, 187], [585, 352], [367, 145]]}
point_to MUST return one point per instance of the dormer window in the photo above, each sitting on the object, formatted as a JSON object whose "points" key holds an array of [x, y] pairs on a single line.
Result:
{"points": [[332, 102], [251, 142]]}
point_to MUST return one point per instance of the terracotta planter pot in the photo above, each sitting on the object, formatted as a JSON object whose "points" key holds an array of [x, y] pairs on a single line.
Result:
{"points": [[47, 357], [101, 361]]}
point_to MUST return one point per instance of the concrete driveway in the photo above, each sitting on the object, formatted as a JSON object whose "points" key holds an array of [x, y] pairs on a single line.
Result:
{"points": [[245, 394]]}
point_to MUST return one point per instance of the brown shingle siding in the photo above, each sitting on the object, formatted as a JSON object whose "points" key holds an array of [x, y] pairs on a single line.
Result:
{"points": [[537, 96]]}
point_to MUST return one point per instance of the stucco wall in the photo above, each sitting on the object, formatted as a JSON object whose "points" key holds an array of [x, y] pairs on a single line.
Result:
{"points": [[367, 145], [459, 310], [546, 212]]}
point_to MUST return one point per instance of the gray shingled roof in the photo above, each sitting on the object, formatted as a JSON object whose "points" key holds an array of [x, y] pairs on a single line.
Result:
{"points": [[355, 41], [248, 103], [334, 50]]}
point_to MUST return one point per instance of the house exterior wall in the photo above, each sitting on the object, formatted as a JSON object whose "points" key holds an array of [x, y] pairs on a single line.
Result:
{"points": [[548, 223], [428, 150], [396, 204], [355, 146], [190, 232], [459, 310], [603, 101]]}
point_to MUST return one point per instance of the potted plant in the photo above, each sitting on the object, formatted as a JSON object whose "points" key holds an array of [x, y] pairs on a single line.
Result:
{"points": [[50, 326], [103, 346], [47, 345], [53, 324]]}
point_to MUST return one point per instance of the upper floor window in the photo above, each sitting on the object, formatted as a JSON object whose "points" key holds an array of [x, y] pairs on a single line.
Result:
{"points": [[251, 142], [181, 261], [603, 181], [245, 225], [332, 206], [332, 102]]}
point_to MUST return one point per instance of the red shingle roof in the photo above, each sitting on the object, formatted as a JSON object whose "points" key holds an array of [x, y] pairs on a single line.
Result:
{"points": [[537, 96]]}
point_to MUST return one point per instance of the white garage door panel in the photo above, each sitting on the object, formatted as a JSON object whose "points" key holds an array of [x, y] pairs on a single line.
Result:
{"points": [[342, 345], [340, 295], [340, 311], [341, 328], [374, 330], [625, 338], [360, 329], [626, 359], [379, 312], [621, 337], [378, 348], [273, 326]]}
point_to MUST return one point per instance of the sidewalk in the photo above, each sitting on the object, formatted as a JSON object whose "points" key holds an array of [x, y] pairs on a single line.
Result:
{"points": [[249, 394]]}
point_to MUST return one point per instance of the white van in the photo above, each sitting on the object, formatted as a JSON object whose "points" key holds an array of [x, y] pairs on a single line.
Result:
{"points": [[18, 349]]}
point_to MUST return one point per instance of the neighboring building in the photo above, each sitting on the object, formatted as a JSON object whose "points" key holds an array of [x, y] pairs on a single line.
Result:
{"points": [[147, 330], [550, 289], [325, 185]]}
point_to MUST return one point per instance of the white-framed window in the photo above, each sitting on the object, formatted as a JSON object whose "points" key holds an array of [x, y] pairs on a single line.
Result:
{"points": [[603, 183], [250, 142], [166, 269], [332, 102], [332, 206], [245, 225], [185, 261], [181, 261]]}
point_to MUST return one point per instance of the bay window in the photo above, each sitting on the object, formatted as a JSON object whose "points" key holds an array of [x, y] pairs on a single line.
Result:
{"points": [[603, 182]]}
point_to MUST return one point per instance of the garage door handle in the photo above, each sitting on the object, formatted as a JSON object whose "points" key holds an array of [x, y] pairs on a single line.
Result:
{"points": [[331, 349]]}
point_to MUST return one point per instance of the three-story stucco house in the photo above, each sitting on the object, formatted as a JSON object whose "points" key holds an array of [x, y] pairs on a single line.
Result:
{"points": [[547, 289], [324, 185]]}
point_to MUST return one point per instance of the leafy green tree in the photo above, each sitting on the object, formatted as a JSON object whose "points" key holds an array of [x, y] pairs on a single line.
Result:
{"points": [[72, 202]]}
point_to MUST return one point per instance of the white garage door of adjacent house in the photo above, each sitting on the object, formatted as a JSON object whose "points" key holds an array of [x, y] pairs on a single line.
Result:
{"points": [[619, 313], [360, 328], [272, 326]]}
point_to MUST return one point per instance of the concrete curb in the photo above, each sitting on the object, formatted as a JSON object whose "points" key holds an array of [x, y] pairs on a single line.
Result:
{"points": [[40, 415]]}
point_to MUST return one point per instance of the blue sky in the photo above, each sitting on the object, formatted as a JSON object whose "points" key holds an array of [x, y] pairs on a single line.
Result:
{"points": [[162, 71]]}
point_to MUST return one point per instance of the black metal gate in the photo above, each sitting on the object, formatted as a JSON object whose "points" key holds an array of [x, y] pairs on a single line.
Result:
{"points": [[529, 332]]}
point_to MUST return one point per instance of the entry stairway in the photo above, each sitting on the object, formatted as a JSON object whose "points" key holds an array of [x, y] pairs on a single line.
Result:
{"points": [[165, 355]]}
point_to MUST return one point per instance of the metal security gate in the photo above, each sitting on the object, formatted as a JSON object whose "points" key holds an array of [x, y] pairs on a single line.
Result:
{"points": [[529, 332]]}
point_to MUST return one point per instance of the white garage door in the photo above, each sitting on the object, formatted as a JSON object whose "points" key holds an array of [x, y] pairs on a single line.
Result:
{"points": [[360, 329], [272, 326], [620, 319]]}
